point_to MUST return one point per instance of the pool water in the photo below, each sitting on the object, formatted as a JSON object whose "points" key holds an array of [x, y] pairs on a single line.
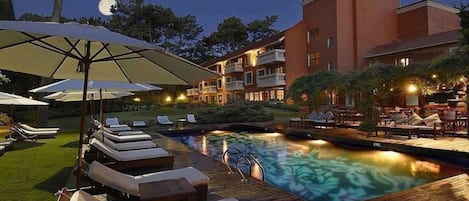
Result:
{"points": [[319, 170]]}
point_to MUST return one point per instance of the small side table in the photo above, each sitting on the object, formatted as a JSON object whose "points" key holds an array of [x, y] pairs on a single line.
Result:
{"points": [[181, 123], [167, 190]]}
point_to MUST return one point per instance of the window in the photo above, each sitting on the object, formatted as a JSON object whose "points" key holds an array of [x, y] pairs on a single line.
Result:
{"points": [[280, 95], [330, 42], [330, 66], [309, 60], [200, 86], [219, 84], [220, 98], [315, 58], [313, 35], [228, 79], [261, 73], [248, 78], [205, 84], [218, 69], [404, 61]]}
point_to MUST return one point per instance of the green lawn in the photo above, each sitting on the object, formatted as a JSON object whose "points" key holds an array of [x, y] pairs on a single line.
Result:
{"points": [[34, 171]]}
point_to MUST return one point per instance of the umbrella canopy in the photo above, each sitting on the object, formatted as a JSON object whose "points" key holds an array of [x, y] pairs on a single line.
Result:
{"points": [[11, 99], [71, 96], [74, 85], [74, 51]]}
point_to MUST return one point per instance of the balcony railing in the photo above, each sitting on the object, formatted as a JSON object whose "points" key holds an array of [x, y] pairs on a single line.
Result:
{"points": [[272, 56], [270, 80], [192, 92], [233, 67], [235, 85], [209, 89]]}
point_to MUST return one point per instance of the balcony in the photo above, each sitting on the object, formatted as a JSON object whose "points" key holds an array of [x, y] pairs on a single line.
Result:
{"points": [[233, 68], [272, 56], [270, 80], [235, 85], [209, 89], [192, 92]]}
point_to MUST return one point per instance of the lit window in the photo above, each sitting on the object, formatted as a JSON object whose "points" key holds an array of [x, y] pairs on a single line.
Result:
{"points": [[248, 78], [315, 58], [309, 60], [330, 66], [403, 61]]}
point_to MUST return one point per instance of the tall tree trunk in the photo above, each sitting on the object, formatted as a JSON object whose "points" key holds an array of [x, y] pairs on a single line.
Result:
{"points": [[57, 12], [6, 10]]}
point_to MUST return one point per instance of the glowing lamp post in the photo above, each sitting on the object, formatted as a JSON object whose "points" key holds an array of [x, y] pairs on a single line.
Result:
{"points": [[412, 88]]}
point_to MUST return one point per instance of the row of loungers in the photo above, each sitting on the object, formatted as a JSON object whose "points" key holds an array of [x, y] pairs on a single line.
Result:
{"points": [[111, 152]]}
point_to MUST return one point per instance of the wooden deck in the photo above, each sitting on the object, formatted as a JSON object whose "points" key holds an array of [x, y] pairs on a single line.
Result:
{"points": [[451, 189], [221, 184]]}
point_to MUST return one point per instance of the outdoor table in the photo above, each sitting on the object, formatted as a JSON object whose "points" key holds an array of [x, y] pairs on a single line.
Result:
{"points": [[167, 190]]}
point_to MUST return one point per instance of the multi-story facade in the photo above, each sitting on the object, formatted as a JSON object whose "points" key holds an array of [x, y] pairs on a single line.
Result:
{"points": [[340, 35], [255, 73]]}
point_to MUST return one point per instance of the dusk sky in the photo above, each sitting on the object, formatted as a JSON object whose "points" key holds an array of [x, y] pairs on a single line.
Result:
{"points": [[209, 13]]}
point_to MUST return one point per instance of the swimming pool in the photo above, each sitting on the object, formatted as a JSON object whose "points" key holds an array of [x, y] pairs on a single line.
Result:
{"points": [[319, 170]]}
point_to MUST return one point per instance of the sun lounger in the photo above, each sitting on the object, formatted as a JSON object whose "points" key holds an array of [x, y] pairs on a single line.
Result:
{"points": [[121, 160], [2, 150], [125, 146], [38, 134], [191, 119], [139, 124], [99, 134], [164, 120], [114, 122], [18, 134], [30, 128], [129, 184], [6, 144]]}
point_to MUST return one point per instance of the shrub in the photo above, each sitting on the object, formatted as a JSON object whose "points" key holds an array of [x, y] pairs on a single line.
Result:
{"points": [[235, 112]]}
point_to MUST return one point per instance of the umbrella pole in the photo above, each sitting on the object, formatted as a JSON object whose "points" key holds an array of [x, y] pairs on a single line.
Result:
{"points": [[101, 102], [86, 63]]}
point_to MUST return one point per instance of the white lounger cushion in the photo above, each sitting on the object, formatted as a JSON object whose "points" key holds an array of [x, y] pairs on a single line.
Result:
{"points": [[123, 146], [117, 138], [28, 127], [129, 184], [82, 196], [119, 128], [126, 132], [138, 123], [39, 132], [129, 155]]}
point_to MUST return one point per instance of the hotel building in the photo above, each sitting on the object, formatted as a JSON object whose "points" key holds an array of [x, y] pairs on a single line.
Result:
{"points": [[339, 35]]}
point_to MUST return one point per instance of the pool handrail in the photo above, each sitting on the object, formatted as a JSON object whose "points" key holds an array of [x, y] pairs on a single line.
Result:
{"points": [[247, 157]]}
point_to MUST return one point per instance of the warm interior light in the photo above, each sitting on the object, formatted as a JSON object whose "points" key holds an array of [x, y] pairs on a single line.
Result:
{"points": [[412, 88], [181, 97], [168, 99], [391, 89], [217, 132], [137, 99]]}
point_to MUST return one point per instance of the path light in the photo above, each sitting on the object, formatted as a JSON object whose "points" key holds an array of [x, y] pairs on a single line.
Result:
{"points": [[137, 99], [168, 99], [434, 76], [412, 88], [181, 97]]}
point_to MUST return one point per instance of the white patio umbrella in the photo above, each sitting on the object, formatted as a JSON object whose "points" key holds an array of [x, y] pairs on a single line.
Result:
{"points": [[94, 85], [70, 85], [72, 96], [12, 99], [74, 51]]}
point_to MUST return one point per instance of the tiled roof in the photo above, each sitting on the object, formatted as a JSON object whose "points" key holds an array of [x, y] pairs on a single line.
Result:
{"points": [[248, 47], [415, 43]]}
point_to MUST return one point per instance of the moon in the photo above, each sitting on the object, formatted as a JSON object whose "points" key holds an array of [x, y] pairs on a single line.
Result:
{"points": [[104, 6]]}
